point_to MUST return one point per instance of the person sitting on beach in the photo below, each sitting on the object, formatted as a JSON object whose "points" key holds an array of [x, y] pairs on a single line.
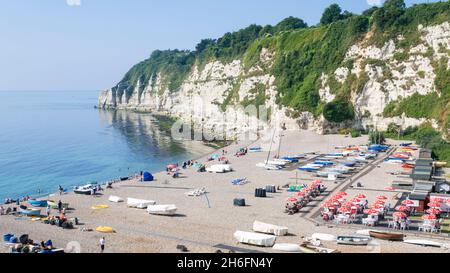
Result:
{"points": [[47, 210], [2, 211], [109, 186]]}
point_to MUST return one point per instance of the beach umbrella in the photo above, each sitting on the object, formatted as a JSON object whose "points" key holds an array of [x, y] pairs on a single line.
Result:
{"points": [[407, 202], [370, 211], [341, 194], [401, 208], [389, 188], [429, 217], [433, 211], [399, 214], [292, 199], [380, 202], [376, 206], [382, 197], [300, 194], [355, 200], [360, 195], [434, 205], [437, 200], [344, 210]]}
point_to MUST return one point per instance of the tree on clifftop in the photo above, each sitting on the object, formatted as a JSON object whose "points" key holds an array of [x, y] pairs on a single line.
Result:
{"points": [[291, 23], [332, 14]]}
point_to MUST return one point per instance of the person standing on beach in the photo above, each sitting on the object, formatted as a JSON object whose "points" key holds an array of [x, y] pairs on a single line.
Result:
{"points": [[102, 244], [47, 210], [60, 206]]}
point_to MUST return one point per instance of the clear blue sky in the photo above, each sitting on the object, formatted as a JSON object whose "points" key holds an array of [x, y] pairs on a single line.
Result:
{"points": [[50, 45]]}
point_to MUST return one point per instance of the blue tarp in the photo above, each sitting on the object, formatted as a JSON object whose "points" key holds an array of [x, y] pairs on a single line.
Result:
{"points": [[148, 177]]}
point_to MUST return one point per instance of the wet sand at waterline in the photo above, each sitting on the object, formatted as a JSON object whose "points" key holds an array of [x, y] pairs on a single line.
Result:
{"points": [[198, 226]]}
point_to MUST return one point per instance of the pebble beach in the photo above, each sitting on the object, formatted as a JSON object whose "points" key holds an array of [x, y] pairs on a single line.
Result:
{"points": [[206, 223]]}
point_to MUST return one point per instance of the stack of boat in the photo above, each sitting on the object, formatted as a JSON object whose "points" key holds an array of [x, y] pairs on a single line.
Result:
{"points": [[139, 203], [264, 234]]}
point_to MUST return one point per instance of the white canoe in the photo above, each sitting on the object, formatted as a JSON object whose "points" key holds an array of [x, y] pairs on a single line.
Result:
{"points": [[269, 228], [324, 237], [257, 239], [423, 243], [287, 247], [162, 209], [115, 199], [139, 204]]}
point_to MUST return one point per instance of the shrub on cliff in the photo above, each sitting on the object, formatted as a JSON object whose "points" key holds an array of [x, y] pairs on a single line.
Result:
{"points": [[338, 111]]}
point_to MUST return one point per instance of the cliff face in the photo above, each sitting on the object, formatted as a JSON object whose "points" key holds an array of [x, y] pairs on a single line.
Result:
{"points": [[374, 79]]}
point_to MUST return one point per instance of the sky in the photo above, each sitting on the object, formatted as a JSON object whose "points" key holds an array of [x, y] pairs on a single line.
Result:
{"points": [[91, 44]]}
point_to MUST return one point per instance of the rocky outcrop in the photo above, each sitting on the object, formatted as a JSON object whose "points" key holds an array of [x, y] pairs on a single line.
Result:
{"points": [[209, 96]]}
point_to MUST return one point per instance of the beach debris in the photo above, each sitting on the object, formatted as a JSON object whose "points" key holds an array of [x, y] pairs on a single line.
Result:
{"points": [[182, 248]]}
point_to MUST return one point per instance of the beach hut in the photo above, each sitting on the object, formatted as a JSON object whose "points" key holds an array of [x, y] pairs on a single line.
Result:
{"points": [[148, 177]]}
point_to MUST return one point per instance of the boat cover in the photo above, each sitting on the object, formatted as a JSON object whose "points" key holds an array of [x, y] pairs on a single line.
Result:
{"points": [[269, 228], [115, 199], [252, 238], [287, 247], [138, 203], [162, 209]]}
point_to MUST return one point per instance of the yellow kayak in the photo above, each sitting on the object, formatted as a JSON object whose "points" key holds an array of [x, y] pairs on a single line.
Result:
{"points": [[440, 164], [103, 229], [100, 207]]}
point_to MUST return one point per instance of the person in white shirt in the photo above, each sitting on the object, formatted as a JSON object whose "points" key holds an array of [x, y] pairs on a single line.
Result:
{"points": [[102, 244]]}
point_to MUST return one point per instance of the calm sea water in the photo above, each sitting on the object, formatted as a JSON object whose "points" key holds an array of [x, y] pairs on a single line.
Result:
{"points": [[58, 138]]}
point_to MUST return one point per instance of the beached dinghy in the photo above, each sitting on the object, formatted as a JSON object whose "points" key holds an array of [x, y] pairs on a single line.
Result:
{"points": [[256, 239], [390, 236], [424, 243], [309, 248], [162, 209], [288, 248], [139, 204], [29, 212], [324, 237], [353, 240], [86, 189], [37, 203], [115, 199], [269, 229]]}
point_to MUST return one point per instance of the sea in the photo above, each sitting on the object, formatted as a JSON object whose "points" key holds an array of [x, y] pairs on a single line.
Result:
{"points": [[51, 138]]}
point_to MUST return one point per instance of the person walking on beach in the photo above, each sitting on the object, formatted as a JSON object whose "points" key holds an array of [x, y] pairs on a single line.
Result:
{"points": [[61, 190], [102, 244]]}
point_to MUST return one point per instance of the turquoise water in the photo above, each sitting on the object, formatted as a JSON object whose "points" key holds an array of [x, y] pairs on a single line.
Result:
{"points": [[51, 138]]}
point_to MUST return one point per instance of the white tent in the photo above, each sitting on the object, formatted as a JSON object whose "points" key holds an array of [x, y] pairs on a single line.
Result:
{"points": [[269, 228], [162, 209], [252, 238], [138, 203], [115, 199]]}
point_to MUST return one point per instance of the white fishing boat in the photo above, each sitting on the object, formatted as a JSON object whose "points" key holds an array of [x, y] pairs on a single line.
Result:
{"points": [[294, 248], [139, 203], [268, 166], [269, 229], [162, 209], [353, 240]]}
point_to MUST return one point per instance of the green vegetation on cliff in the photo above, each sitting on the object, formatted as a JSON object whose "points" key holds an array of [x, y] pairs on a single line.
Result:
{"points": [[302, 54]]}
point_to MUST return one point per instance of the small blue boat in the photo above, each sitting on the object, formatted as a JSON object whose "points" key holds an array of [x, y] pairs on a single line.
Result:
{"points": [[349, 164], [324, 163], [30, 212], [406, 144], [38, 203], [308, 169], [290, 159]]}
